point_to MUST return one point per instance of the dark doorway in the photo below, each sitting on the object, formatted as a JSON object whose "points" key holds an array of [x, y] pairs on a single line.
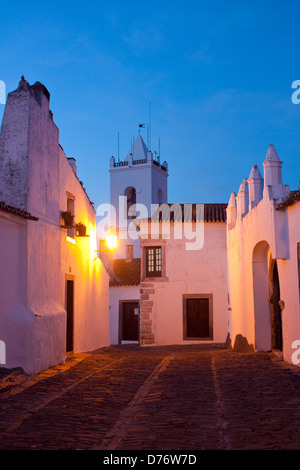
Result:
{"points": [[129, 321], [275, 310], [197, 318], [70, 315]]}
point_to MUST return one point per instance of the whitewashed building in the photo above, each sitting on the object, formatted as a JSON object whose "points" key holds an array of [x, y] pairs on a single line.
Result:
{"points": [[184, 290], [136, 184], [240, 289], [213, 274], [263, 242], [54, 288]]}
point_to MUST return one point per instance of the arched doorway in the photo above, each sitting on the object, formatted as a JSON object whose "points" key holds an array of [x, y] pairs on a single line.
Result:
{"points": [[266, 295], [275, 310]]}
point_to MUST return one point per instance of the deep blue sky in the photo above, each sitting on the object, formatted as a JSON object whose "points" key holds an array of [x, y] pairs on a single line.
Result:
{"points": [[218, 76]]}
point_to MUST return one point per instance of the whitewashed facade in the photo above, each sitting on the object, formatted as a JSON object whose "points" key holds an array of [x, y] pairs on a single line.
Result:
{"points": [[263, 237], [136, 184], [237, 284], [184, 292], [54, 293]]}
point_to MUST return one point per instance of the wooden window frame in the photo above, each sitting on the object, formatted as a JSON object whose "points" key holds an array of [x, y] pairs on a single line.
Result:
{"points": [[154, 243], [157, 261], [71, 232], [185, 297]]}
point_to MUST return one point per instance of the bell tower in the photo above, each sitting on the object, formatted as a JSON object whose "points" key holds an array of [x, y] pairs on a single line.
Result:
{"points": [[136, 183]]}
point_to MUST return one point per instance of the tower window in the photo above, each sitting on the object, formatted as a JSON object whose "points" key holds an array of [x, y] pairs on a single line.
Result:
{"points": [[130, 194]]}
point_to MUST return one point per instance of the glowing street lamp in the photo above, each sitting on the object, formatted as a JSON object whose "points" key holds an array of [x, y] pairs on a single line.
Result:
{"points": [[106, 255], [111, 240]]}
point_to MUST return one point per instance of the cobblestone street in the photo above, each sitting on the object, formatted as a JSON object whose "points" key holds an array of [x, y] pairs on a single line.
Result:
{"points": [[171, 398]]}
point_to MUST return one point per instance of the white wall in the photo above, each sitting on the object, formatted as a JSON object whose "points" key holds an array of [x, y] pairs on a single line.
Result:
{"points": [[289, 284], [249, 277], [91, 329], [36, 254], [192, 272]]}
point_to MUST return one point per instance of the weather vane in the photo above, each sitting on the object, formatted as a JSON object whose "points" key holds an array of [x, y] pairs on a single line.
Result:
{"points": [[141, 126]]}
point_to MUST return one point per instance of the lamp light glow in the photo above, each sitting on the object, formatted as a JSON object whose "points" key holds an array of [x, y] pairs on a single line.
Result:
{"points": [[111, 240]]}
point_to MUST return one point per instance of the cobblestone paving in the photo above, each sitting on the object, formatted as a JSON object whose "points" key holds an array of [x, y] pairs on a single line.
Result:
{"points": [[171, 398]]}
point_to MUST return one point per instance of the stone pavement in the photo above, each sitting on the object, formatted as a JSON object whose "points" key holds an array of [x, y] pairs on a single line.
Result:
{"points": [[168, 398]]}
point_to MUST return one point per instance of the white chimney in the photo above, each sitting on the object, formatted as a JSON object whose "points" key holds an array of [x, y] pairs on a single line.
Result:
{"points": [[72, 162], [231, 211], [272, 167], [242, 199], [256, 186]]}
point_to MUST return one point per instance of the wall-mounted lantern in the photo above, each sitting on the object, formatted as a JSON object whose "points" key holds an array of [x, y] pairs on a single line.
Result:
{"points": [[106, 253]]}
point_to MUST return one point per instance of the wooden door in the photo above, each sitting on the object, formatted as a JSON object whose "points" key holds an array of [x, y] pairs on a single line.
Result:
{"points": [[70, 315], [275, 311], [130, 321], [197, 318]]}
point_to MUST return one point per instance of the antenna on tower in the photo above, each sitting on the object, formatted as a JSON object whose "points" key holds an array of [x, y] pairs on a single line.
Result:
{"points": [[148, 136], [118, 146], [149, 147], [159, 146]]}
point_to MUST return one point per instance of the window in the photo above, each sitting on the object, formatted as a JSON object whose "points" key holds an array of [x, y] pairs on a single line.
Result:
{"points": [[197, 317], [71, 232], [130, 194], [153, 261]]}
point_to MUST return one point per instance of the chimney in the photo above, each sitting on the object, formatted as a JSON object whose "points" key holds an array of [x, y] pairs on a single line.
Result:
{"points": [[112, 162], [243, 199], [272, 167], [256, 186], [41, 91], [231, 211], [72, 162]]}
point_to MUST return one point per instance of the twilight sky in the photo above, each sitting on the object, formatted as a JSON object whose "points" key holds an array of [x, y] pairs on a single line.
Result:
{"points": [[218, 76]]}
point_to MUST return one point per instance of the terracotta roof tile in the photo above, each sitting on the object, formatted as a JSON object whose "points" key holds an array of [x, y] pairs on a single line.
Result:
{"points": [[129, 272], [215, 212], [14, 210], [292, 198]]}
